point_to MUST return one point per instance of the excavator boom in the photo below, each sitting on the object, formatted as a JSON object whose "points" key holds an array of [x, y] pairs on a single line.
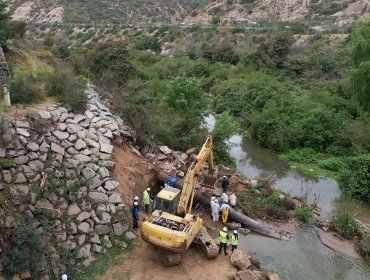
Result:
{"points": [[187, 194]]}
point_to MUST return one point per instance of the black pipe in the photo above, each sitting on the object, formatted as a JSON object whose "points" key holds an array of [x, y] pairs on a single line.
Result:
{"points": [[246, 221]]}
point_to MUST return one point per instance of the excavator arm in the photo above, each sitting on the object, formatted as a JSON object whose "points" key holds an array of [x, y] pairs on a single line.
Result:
{"points": [[187, 194]]}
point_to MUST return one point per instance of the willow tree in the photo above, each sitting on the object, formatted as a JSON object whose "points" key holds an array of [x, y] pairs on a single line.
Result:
{"points": [[360, 55]]}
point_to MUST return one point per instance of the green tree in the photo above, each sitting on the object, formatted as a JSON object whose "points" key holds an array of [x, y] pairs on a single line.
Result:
{"points": [[275, 51], [354, 178], [25, 252], [148, 43], [9, 29], [360, 55], [112, 60]]}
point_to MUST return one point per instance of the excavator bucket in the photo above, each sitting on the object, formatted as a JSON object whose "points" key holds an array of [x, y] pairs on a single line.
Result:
{"points": [[209, 181]]}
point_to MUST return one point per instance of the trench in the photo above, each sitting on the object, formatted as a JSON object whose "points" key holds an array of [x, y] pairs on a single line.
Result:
{"points": [[303, 256]]}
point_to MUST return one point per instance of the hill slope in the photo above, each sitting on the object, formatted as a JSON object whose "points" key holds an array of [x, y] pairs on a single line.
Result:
{"points": [[137, 12]]}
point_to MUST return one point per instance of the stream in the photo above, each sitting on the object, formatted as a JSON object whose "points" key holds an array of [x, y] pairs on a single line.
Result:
{"points": [[304, 256]]}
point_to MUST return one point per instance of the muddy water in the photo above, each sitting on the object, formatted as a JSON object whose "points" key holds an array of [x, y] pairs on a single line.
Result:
{"points": [[304, 256]]}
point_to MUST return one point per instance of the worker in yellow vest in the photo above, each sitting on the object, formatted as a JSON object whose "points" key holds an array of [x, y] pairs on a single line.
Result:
{"points": [[234, 241], [223, 236], [146, 200]]}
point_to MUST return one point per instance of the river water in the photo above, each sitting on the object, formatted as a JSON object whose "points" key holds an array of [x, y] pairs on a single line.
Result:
{"points": [[304, 256]]}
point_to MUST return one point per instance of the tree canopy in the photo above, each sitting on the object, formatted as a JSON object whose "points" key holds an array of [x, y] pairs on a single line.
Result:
{"points": [[360, 55], [9, 29]]}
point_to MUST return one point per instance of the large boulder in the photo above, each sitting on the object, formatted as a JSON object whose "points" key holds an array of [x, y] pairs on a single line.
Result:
{"points": [[102, 229], [240, 259], [245, 275], [98, 197]]}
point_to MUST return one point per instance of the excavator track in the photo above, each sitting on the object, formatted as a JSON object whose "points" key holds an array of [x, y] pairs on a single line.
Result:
{"points": [[205, 241]]}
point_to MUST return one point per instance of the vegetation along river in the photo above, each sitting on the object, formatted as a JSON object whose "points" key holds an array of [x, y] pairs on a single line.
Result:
{"points": [[303, 256]]}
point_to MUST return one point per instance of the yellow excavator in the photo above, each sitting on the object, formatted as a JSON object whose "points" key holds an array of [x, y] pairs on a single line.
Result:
{"points": [[171, 226]]}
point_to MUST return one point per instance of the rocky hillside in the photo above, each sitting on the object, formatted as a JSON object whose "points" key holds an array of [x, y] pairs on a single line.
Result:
{"points": [[143, 12], [58, 200]]}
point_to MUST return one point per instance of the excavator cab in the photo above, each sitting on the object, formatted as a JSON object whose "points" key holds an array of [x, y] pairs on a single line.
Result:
{"points": [[167, 199]]}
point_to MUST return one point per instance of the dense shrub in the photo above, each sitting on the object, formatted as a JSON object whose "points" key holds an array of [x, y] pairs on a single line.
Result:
{"points": [[148, 43], [9, 28], [360, 54], [274, 52], [224, 53], [344, 223], [63, 85], [304, 155], [354, 177], [332, 164], [25, 252], [24, 89], [303, 214], [298, 121], [112, 57]]}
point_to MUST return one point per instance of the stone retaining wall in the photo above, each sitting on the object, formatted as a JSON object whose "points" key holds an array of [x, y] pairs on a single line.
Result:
{"points": [[61, 170]]}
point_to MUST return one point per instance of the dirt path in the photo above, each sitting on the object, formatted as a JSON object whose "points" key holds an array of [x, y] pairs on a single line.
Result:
{"points": [[135, 173], [20, 111]]}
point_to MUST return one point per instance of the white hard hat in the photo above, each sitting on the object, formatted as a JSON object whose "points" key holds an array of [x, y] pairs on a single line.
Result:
{"points": [[224, 229], [223, 193], [216, 200], [213, 198], [64, 277], [225, 176], [235, 231], [148, 189], [136, 198], [135, 203]]}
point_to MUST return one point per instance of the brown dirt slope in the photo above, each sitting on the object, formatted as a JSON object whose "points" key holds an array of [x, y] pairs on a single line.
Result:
{"points": [[134, 173]]}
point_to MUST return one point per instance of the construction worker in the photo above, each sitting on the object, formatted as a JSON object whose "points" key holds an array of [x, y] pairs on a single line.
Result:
{"points": [[234, 241], [224, 198], [223, 236], [225, 212], [224, 184], [172, 181], [136, 199], [65, 277], [211, 203], [215, 207], [146, 200], [232, 200], [135, 214]]}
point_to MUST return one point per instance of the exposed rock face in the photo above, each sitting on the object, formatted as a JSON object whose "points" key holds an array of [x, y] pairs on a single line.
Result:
{"points": [[65, 169]]}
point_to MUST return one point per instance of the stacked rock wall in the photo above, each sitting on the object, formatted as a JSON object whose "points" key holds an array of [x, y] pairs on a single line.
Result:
{"points": [[57, 180]]}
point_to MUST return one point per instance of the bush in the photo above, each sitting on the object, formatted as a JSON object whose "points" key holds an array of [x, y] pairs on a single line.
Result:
{"points": [[9, 28], [303, 214], [305, 155], [112, 57], [63, 85], [224, 53], [344, 223], [148, 43], [25, 252], [332, 164], [354, 177], [24, 89]]}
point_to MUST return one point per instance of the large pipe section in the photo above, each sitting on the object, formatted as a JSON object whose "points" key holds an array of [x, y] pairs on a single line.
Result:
{"points": [[246, 221]]}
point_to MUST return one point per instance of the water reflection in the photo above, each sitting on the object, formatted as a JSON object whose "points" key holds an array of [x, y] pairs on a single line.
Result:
{"points": [[254, 161]]}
